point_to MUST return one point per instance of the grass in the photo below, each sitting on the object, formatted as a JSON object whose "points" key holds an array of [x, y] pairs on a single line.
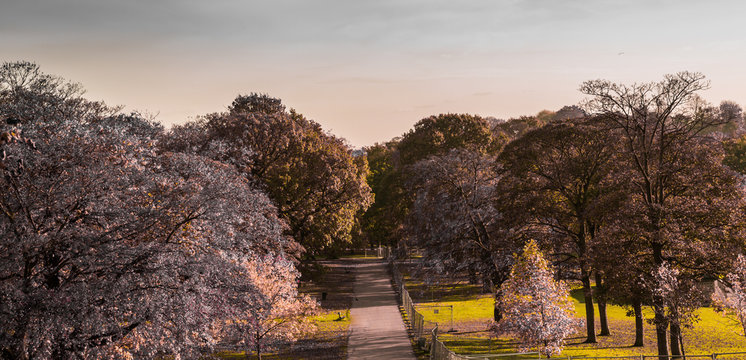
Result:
{"points": [[473, 311], [333, 321]]}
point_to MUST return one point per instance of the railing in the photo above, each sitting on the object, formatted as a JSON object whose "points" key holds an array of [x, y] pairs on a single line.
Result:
{"points": [[713, 356], [439, 351], [416, 319]]}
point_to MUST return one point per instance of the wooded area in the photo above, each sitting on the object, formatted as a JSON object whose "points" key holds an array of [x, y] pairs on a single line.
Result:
{"points": [[120, 238]]}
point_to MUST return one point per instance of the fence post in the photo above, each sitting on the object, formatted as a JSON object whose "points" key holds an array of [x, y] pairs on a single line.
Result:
{"points": [[714, 356], [434, 346], [452, 318]]}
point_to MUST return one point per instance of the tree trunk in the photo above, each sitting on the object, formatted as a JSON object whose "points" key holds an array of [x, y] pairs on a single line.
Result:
{"points": [[639, 330], [601, 301], [473, 276], [590, 321], [602, 317], [496, 283], [258, 351], [675, 335], [487, 285], [659, 304], [681, 343], [661, 325]]}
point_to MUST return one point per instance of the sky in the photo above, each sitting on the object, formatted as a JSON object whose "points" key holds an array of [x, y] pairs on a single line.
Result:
{"points": [[368, 70]]}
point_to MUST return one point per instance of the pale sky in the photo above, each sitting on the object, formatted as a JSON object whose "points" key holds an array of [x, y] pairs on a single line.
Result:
{"points": [[367, 70]]}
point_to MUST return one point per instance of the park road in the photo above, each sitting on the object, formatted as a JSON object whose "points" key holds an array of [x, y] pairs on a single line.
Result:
{"points": [[377, 328]]}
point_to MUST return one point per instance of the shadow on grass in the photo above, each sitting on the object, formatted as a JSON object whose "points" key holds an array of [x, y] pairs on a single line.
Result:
{"points": [[468, 345], [445, 289]]}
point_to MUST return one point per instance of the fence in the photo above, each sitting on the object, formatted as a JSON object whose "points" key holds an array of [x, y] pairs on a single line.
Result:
{"points": [[713, 356], [439, 351], [384, 252], [416, 319]]}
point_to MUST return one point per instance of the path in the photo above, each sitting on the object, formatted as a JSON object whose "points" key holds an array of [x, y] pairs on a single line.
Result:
{"points": [[377, 328]]}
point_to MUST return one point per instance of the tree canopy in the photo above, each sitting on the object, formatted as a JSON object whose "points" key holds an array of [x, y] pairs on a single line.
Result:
{"points": [[113, 247], [318, 186]]}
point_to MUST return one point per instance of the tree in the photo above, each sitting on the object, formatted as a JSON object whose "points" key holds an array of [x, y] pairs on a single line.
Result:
{"points": [[280, 314], [682, 299], [555, 177], [393, 183], [537, 309], [437, 135], [458, 226], [729, 297], [29, 95], [317, 185], [381, 223], [516, 127], [113, 248], [109, 249], [681, 195], [735, 154], [573, 112], [623, 284], [731, 117]]}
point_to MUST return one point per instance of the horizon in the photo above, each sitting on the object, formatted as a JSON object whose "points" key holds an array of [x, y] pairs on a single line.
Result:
{"points": [[367, 72]]}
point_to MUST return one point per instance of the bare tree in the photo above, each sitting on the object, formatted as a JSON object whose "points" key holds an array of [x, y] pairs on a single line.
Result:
{"points": [[672, 174]]}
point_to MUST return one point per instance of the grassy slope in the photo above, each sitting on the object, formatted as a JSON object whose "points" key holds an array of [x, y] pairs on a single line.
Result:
{"points": [[712, 333]]}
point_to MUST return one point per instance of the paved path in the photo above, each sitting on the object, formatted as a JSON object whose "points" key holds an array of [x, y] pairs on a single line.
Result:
{"points": [[377, 328]]}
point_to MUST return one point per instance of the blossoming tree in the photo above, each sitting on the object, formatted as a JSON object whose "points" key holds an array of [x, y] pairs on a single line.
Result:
{"points": [[112, 248], [279, 315], [536, 308], [731, 300]]}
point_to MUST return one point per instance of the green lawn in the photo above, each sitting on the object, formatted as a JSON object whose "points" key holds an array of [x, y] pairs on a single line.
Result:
{"points": [[471, 314]]}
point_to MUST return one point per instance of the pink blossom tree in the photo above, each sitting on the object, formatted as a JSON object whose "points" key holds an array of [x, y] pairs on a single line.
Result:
{"points": [[113, 248], [730, 298], [29, 95], [536, 308], [681, 298], [280, 315]]}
